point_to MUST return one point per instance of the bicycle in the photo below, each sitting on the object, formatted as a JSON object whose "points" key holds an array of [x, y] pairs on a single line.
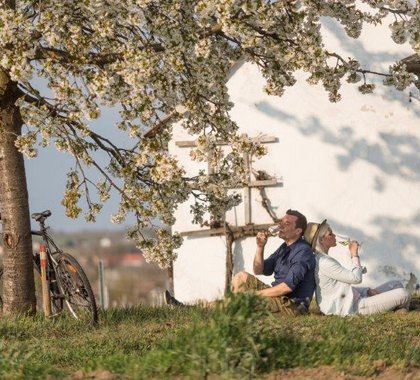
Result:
{"points": [[68, 283]]}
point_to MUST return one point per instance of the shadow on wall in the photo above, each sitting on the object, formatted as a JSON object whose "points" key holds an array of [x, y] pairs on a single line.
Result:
{"points": [[397, 155], [389, 244], [238, 257], [374, 61], [356, 47]]}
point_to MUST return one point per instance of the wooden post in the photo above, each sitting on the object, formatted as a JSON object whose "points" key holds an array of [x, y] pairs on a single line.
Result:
{"points": [[46, 301], [101, 285], [170, 272], [247, 191]]}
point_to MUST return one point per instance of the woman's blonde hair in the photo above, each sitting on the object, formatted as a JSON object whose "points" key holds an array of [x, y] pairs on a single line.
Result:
{"points": [[323, 229]]}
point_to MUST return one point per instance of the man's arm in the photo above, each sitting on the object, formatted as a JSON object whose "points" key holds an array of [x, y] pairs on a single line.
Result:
{"points": [[276, 291], [303, 261], [259, 253]]}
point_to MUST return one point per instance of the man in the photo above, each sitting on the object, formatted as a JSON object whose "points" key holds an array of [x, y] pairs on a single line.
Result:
{"points": [[293, 265]]}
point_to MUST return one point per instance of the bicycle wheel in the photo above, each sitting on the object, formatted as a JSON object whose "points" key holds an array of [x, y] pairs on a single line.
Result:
{"points": [[57, 303], [76, 289]]}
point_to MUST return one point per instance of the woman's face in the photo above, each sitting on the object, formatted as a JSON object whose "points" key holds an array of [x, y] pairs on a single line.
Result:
{"points": [[328, 240]]}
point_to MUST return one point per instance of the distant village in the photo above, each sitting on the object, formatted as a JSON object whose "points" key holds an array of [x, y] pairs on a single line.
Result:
{"points": [[128, 279]]}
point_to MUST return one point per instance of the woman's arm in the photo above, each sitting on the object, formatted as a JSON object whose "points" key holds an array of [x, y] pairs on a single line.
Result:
{"points": [[332, 268]]}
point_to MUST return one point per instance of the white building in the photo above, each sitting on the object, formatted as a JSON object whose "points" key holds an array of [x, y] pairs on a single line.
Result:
{"points": [[356, 163]]}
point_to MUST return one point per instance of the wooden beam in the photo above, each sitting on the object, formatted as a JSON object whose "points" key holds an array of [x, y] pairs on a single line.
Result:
{"points": [[265, 182], [238, 231], [247, 192], [262, 183], [193, 143]]}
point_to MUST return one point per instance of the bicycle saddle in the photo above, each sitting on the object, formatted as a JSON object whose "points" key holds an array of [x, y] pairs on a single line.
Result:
{"points": [[41, 215]]}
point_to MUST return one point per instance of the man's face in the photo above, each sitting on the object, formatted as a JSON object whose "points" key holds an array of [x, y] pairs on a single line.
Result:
{"points": [[288, 230]]}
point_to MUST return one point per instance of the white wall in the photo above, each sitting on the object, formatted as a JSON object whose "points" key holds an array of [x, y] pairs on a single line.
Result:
{"points": [[356, 163]]}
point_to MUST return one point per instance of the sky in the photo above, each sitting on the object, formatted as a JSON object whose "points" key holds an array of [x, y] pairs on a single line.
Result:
{"points": [[46, 180]]}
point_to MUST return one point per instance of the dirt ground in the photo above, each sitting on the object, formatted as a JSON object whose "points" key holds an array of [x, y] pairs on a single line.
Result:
{"points": [[330, 373], [320, 373]]}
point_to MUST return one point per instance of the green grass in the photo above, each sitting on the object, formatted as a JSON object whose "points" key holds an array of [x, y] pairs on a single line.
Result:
{"points": [[239, 339]]}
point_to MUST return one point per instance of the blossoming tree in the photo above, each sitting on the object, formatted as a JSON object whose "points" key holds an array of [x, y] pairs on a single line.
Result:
{"points": [[154, 60]]}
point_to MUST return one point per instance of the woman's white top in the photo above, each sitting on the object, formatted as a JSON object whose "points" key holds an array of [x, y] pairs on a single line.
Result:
{"points": [[333, 292]]}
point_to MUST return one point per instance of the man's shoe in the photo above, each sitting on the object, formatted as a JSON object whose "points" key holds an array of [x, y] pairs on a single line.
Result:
{"points": [[171, 300]]}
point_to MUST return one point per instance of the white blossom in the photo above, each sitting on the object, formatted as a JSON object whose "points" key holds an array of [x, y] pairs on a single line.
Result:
{"points": [[159, 59]]}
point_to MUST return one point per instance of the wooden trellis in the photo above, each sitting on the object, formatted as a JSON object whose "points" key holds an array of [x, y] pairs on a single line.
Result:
{"points": [[249, 229]]}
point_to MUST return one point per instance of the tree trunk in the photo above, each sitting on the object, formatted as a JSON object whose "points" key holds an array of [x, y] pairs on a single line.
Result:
{"points": [[18, 276]]}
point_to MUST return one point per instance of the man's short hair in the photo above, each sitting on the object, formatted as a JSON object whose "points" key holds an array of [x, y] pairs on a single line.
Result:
{"points": [[301, 221]]}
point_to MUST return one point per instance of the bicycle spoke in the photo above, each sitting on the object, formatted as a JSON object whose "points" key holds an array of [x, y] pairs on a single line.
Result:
{"points": [[76, 288]]}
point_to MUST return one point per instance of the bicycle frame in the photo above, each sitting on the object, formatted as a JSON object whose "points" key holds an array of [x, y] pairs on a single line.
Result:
{"points": [[49, 242], [67, 282], [51, 250]]}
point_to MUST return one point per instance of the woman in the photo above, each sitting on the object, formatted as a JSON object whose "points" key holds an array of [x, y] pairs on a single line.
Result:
{"points": [[334, 293]]}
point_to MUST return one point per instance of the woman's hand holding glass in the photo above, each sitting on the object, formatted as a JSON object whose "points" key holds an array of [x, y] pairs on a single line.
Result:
{"points": [[354, 248], [354, 245]]}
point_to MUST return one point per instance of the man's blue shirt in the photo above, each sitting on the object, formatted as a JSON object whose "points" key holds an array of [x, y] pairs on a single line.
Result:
{"points": [[295, 266]]}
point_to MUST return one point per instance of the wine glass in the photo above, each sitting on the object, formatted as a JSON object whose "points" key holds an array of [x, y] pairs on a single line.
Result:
{"points": [[345, 241], [274, 230], [342, 239]]}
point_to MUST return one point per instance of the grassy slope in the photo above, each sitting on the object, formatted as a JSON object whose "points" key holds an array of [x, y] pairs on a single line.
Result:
{"points": [[231, 341]]}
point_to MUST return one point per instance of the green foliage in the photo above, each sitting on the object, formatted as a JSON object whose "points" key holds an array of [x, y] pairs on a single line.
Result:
{"points": [[242, 339], [237, 339], [235, 342]]}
